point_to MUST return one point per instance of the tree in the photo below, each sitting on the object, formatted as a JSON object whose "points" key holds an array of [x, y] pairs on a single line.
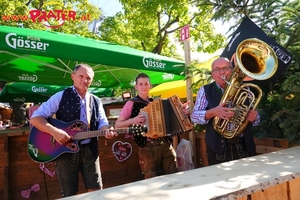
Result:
{"points": [[153, 25], [278, 18], [18, 13]]}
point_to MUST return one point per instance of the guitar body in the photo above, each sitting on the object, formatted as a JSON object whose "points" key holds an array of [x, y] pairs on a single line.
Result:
{"points": [[43, 148]]}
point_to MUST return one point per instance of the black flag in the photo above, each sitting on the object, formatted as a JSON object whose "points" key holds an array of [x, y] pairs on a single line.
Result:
{"points": [[248, 29]]}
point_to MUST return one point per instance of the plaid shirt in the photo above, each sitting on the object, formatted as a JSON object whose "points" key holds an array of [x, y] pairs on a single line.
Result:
{"points": [[199, 111]]}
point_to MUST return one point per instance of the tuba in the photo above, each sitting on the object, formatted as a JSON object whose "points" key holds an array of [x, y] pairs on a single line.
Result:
{"points": [[254, 60]]}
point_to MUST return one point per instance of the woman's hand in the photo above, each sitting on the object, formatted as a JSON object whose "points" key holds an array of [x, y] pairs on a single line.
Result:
{"points": [[110, 133], [186, 108]]}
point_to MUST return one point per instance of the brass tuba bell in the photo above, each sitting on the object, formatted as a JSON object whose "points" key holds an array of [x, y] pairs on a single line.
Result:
{"points": [[255, 60]]}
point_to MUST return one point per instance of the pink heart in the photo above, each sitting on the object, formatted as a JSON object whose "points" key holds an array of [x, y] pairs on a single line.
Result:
{"points": [[121, 150]]}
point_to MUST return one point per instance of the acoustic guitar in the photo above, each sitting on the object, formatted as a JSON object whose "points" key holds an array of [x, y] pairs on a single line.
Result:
{"points": [[43, 148]]}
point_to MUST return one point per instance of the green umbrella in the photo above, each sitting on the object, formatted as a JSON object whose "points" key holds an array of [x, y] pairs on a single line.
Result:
{"points": [[32, 92], [46, 57]]}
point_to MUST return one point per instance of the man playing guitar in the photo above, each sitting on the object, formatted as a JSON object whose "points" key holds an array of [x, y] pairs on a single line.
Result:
{"points": [[75, 103]]}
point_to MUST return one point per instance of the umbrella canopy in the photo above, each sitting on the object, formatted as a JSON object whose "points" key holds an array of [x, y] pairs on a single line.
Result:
{"points": [[32, 92], [46, 57], [166, 90]]}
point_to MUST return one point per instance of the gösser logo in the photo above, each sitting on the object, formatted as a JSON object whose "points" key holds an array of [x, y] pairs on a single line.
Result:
{"points": [[167, 76], [36, 89], [19, 99], [31, 43], [42, 16], [26, 77], [152, 63], [96, 83]]}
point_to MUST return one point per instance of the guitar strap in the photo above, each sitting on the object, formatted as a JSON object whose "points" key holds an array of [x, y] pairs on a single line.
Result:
{"points": [[88, 113]]}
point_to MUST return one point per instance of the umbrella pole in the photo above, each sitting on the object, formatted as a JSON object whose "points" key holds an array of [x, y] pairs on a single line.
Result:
{"points": [[187, 57]]}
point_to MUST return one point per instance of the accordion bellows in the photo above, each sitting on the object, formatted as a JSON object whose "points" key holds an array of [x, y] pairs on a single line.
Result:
{"points": [[164, 117]]}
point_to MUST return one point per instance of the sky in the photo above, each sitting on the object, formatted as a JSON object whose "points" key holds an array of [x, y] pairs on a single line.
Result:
{"points": [[110, 7]]}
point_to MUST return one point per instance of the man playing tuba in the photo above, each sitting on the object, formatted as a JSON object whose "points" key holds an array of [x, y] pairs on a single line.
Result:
{"points": [[207, 107]]}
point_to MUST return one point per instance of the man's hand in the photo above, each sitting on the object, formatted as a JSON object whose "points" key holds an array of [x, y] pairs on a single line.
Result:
{"points": [[61, 136], [251, 115], [223, 112]]}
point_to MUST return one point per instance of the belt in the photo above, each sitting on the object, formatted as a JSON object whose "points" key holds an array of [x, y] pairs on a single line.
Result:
{"points": [[235, 140], [84, 145], [159, 139]]}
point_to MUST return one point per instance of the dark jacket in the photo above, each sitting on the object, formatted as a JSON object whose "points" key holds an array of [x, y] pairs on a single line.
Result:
{"points": [[213, 140], [69, 110]]}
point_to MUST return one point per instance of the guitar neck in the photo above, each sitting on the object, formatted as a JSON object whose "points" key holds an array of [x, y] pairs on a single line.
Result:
{"points": [[96, 133]]}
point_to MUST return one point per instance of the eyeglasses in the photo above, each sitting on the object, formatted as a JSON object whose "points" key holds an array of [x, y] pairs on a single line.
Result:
{"points": [[225, 69]]}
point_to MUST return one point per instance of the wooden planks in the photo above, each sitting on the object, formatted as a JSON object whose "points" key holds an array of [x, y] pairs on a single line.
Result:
{"points": [[272, 176], [276, 192], [293, 189], [19, 172], [4, 168], [201, 150]]}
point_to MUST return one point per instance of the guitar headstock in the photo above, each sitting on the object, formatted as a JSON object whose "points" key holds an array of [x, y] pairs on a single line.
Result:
{"points": [[137, 129]]}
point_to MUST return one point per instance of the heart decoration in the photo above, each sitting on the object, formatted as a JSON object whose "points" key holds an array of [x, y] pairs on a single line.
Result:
{"points": [[121, 150]]}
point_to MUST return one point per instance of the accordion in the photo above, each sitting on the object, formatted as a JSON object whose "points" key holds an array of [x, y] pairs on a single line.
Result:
{"points": [[164, 117]]}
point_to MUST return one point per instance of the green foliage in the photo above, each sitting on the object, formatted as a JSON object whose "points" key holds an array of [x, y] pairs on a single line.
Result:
{"points": [[200, 72], [153, 25], [283, 26], [199, 127], [288, 116]]}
